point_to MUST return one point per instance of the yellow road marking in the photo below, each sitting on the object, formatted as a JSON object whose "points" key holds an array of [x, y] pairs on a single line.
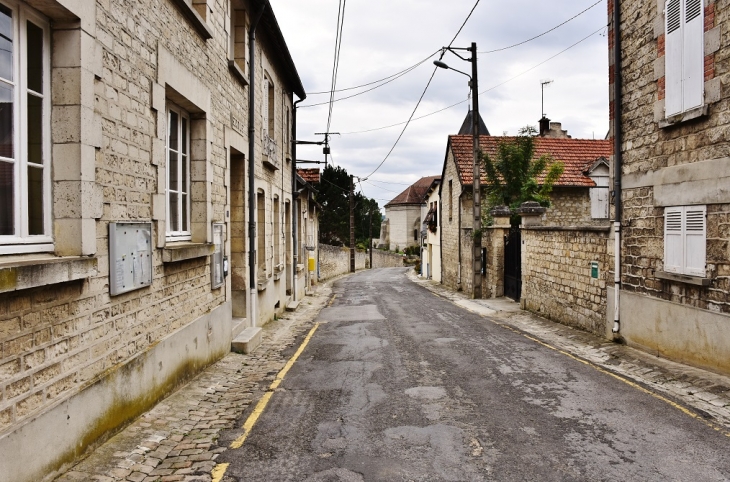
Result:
{"points": [[261, 405], [621, 378], [218, 472], [332, 300]]}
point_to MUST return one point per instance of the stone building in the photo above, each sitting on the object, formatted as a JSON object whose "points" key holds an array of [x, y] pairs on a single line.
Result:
{"points": [[674, 296], [403, 216], [575, 203], [308, 231], [133, 112], [431, 251]]}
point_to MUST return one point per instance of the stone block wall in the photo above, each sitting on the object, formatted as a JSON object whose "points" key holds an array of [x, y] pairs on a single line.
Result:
{"points": [[673, 162], [556, 275], [571, 206], [335, 260], [62, 337]]}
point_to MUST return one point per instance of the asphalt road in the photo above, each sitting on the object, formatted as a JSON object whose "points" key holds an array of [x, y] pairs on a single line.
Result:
{"points": [[398, 384]]}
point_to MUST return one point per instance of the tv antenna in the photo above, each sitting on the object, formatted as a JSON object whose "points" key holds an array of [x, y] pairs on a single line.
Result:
{"points": [[543, 83]]}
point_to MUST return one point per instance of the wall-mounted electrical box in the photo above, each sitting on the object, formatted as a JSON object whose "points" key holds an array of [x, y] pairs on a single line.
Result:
{"points": [[130, 257]]}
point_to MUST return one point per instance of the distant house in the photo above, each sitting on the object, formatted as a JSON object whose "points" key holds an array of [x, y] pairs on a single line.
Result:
{"points": [[585, 172], [431, 252], [402, 227], [307, 212]]}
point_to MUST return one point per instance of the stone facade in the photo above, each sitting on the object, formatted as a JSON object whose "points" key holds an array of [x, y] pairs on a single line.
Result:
{"points": [[571, 207], [679, 160], [335, 260], [556, 275], [76, 361]]}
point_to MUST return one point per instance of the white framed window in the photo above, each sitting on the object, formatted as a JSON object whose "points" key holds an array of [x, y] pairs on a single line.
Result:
{"points": [[685, 239], [178, 174], [599, 198], [25, 125], [684, 55]]}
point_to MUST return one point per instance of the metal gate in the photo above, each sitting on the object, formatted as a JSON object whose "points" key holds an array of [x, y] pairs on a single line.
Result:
{"points": [[513, 264]]}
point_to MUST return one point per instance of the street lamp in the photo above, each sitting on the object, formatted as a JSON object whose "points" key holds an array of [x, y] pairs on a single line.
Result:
{"points": [[477, 254]]}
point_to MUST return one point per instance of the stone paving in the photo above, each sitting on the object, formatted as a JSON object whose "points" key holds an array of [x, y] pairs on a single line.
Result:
{"points": [[177, 440]]}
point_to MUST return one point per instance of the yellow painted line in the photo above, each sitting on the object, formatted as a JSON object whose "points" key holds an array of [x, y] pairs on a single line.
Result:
{"points": [[261, 405], [332, 300], [218, 472], [627, 381]]}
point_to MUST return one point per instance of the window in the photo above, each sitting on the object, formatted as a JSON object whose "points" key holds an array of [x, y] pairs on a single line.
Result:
{"points": [[436, 213], [684, 51], [237, 36], [685, 240], [25, 183], [178, 174], [599, 198]]}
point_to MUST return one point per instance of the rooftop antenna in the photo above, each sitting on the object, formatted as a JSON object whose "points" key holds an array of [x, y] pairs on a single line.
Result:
{"points": [[543, 83]]}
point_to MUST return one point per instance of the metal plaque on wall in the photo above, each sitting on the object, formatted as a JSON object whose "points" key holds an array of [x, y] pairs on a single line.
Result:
{"points": [[130, 256]]}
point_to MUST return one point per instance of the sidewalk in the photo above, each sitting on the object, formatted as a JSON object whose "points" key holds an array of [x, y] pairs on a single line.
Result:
{"points": [[176, 440], [707, 393]]}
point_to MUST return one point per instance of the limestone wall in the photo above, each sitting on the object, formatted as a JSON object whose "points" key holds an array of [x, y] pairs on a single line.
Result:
{"points": [[64, 331], [556, 275], [335, 260]]}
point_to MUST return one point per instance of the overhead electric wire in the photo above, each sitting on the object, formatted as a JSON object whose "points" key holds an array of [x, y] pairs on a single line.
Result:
{"points": [[480, 93], [390, 182], [422, 95], [544, 33], [381, 188], [336, 63], [399, 75], [408, 69]]}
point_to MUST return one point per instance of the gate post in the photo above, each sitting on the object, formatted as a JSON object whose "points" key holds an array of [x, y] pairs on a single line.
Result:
{"points": [[531, 213], [495, 251]]}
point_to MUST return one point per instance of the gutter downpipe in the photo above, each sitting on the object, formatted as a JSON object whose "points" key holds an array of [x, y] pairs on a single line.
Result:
{"points": [[294, 199], [253, 289], [617, 160]]}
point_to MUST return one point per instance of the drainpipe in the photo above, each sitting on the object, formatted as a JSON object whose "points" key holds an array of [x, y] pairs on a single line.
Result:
{"points": [[294, 197], [252, 163], [617, 158]]}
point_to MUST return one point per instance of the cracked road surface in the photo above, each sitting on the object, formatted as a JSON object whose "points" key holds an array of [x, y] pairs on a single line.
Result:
{"points": [[398, 384]]}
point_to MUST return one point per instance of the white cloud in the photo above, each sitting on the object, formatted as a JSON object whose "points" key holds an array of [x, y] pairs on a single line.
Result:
{"points": [[382, 37]]}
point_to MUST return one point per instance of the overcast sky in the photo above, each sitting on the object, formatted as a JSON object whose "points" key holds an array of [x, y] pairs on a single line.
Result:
{"points": [[383, 37]]}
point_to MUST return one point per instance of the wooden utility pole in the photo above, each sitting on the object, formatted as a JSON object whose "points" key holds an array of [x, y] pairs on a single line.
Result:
{"points": [[370, 237], [352, 223]]}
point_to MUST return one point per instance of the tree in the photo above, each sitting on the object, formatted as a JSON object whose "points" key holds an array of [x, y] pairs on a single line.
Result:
{"points": [[515, 176], [334, 220]]}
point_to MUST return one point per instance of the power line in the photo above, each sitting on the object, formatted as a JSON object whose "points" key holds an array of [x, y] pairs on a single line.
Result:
{"points": [[381, 188], [387, 182], [408, 69], [336, 66], [422, 95], [399, 75], [544, 33], [480, 93]]}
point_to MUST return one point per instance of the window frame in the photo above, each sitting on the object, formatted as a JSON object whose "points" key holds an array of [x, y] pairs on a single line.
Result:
{"points": [[180, 235], [22, 242], [681, 235]]}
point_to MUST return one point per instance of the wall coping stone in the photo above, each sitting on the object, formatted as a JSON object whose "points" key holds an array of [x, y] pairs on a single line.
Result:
{"points": [[568, 228]]}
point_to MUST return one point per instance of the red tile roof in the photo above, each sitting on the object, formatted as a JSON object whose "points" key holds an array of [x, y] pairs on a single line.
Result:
{"points": [[415, 193], [575, 154], [309, 175]]}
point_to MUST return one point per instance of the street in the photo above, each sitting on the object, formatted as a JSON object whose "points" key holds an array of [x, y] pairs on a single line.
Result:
{"points": [[400, 384]]}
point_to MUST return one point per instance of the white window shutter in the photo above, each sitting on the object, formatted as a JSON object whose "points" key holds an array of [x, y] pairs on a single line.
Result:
{"points": [[673, 239], [673, 48], [693, 55], [695, 246]]}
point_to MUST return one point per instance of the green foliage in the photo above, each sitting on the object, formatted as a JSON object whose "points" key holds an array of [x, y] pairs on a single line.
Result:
{"points": [[334, 219], [512, 175]]}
